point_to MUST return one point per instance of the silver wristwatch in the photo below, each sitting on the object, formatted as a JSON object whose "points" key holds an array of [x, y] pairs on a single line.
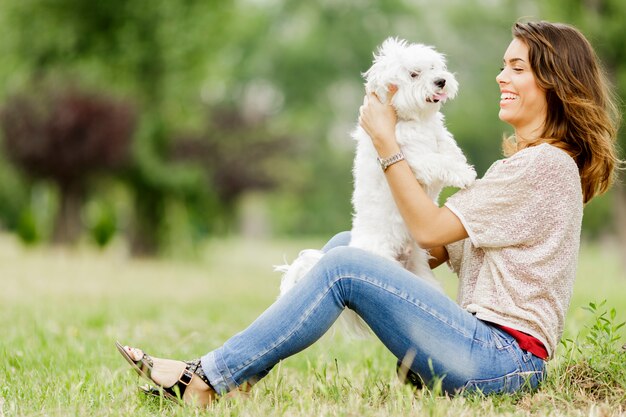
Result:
{"points": [[387, 162]]}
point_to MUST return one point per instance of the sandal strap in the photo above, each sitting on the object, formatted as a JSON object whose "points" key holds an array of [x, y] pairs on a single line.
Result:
{"points": [[141, 363], [177, 390], [195, 366]]}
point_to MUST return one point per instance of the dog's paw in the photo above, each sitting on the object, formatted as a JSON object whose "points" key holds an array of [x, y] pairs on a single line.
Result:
{"points": [[463, 178]]}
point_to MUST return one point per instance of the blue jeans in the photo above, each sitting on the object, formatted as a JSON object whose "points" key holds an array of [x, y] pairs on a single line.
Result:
{"points": [[440, 340]]}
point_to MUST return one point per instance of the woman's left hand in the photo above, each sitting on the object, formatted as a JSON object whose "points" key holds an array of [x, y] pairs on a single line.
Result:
{"points": [[379, 120]]}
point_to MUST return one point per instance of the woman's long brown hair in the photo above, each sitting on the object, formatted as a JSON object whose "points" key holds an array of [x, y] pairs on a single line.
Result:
{"points": [[583, 116]]}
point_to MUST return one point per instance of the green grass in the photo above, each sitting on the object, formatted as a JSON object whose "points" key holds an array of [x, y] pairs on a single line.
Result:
{"points": [[62, 310]]}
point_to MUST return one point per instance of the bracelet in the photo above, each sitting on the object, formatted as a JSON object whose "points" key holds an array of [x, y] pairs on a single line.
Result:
{"points": [[387, 162]]}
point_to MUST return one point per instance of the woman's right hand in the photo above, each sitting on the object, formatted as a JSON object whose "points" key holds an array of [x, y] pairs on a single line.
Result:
{"points": [[379, 120]]}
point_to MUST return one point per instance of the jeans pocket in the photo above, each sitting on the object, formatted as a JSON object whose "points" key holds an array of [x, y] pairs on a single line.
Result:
{"points": [[537, 365], [509, 383], [501, 339]]}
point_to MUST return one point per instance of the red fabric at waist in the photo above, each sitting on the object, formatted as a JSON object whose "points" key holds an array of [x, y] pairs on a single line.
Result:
{"points": [[527, 342]]}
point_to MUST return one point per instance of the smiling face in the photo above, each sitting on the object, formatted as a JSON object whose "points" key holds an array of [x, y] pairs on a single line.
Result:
{"points": [[522, 103]]}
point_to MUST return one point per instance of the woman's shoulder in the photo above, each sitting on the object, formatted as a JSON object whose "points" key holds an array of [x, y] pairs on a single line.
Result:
{"points": [[542, 166], [551, 171], [545, 157], [553, 158]]}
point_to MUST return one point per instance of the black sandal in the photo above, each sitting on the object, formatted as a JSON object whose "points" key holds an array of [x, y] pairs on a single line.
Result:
{"points": [[150, 390], [407, 376], [175, 392]]}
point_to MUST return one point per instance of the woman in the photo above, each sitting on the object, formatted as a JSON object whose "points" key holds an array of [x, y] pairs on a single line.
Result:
{"points": [[512, 238]]}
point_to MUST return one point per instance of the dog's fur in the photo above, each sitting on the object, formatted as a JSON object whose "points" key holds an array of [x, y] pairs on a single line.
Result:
{"points": [[423, 84]]}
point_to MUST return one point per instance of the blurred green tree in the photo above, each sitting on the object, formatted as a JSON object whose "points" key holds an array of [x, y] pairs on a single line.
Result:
{"points": [[237, 155], [66, 137], [136, 47], [290, 69]]}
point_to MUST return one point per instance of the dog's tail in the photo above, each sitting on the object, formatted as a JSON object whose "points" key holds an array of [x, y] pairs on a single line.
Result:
{"points": [[294, 272], [352, 324]]}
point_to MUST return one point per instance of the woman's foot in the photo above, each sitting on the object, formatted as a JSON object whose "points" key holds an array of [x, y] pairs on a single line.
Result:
{"points": [[167, 372]]}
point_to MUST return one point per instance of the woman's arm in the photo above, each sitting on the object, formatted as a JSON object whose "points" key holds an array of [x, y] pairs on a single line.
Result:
{"points": [[430, 225], [438, 255]]}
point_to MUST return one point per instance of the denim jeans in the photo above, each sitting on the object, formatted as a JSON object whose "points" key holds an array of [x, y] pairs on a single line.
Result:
{"points": [[440, 341]]}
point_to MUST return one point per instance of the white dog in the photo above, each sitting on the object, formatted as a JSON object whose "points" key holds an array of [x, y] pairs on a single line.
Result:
{"points": [[423, 84]]}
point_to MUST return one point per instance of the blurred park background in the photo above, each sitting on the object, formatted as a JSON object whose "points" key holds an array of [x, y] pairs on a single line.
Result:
{"points": [[162, 123]]}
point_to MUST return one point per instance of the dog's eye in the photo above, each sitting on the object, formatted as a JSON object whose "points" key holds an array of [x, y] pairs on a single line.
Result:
{"points": [[415, 74]]}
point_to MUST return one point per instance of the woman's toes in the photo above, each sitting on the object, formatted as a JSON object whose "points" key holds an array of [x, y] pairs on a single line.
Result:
{"points": [[135, 353]]}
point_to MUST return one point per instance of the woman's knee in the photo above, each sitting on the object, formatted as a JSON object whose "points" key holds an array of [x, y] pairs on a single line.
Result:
{"points": [[336, 269], [343, 262], [340, 255], [340, 239]]}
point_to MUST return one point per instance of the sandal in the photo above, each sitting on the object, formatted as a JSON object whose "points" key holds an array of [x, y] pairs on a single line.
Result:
{"points": [[175, 392], [154, 391], [407, 376], [150, 390]]}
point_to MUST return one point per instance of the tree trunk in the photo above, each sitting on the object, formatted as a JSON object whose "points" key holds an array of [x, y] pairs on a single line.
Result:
{"points": [[148, 216], [68, 225]]}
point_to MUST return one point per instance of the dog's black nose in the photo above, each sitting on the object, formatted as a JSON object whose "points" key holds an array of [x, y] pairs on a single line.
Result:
{"points": [[440, 82]]}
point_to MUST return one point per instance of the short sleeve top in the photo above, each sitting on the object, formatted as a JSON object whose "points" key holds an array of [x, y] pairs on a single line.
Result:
{"points": [[523, 219]]}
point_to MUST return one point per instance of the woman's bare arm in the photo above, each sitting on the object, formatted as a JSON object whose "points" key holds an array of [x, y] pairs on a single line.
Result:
{"points": [[430, 225], [438, 255]]}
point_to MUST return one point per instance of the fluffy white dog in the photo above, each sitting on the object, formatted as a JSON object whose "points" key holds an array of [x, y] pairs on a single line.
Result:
{"points": [[423, 84]]}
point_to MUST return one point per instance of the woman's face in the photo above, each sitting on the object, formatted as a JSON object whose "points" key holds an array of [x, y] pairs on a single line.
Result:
{"points": [[522, 103]]}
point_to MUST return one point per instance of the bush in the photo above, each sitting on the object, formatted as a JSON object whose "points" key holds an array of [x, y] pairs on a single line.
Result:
{"points": [[595, 366]]}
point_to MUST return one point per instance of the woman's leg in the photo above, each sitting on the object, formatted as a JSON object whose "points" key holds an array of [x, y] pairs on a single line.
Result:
{"points": [[416, 322], [340, 239]]}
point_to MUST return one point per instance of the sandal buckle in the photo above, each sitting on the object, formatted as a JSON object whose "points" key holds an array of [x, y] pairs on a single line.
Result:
{"points": [[185, 377]]}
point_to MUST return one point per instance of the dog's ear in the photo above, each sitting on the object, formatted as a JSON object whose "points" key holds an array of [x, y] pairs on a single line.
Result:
{"points": [[392, 47], [386, 67]]}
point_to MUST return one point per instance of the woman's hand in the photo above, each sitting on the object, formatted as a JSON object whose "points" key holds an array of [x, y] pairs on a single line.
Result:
{"points": [[430, 225], [379, 120]]}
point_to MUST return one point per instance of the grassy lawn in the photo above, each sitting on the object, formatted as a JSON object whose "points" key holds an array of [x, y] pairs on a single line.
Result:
{"points": [[61, 312]]}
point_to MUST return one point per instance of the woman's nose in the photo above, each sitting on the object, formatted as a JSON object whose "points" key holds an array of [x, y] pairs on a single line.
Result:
{"points": [[500, 78]]}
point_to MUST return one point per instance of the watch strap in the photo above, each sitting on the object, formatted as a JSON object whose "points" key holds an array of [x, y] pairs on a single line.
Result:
{"points": [[385, 163]]}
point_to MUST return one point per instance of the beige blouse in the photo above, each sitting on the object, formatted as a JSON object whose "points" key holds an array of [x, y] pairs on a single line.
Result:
{"points": [[523, 219]]}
